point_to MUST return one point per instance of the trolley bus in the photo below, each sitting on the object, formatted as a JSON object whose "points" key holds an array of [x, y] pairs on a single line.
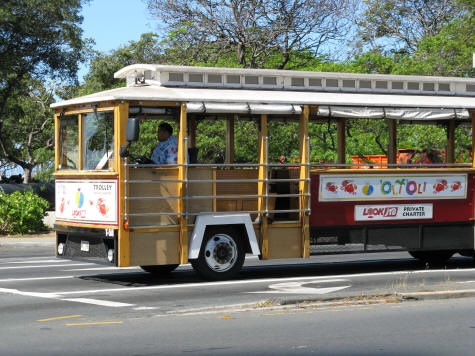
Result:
{"points": [[115, 208]]}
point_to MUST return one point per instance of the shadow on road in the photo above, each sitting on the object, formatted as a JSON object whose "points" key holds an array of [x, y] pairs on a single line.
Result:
{"points": [[257, 271]]}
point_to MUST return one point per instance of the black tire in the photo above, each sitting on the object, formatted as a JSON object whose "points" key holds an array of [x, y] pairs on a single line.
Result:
{"points": [[467, 253], [221, 255], [432, 257], [159, 270]]}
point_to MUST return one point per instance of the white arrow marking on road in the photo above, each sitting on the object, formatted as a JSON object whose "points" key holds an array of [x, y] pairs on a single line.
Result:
{"points": [[297, 287], [105, 303]]}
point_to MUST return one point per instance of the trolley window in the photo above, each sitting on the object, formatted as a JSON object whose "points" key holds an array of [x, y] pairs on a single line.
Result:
{"points": [[98, 140], [69, 134]]}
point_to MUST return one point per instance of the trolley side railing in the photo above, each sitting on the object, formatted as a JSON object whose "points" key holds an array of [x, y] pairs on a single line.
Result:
{"points": [[189, 197]]}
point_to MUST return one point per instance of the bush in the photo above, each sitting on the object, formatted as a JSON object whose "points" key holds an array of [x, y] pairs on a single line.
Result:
{"points": [[21, 213]]}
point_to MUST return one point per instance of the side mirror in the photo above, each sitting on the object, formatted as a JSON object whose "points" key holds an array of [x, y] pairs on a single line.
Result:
{"points": [[132, 130]]}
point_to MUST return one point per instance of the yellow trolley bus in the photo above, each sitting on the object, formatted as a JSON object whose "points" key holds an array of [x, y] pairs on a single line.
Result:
{"points": [[115, 209]]}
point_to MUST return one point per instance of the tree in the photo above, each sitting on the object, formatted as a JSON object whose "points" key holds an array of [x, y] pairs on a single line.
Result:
{"points": [[103, 66], [403, 23], [28, 130], [39, 40], [255, 30], [447, 53]]}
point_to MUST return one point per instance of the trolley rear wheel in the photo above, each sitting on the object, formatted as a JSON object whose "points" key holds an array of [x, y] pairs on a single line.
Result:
{"points": [[221, 255], [432, 257]]}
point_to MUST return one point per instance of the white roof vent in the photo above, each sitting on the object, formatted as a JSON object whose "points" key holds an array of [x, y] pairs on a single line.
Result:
{"points": [[267, 79]]}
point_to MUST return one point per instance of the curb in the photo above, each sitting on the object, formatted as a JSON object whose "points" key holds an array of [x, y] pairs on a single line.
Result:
{"points": [[434, 295], [324, 303], [27, 241]]}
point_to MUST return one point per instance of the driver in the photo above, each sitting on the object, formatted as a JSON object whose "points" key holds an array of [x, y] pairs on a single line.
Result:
{"points": [[166, 151]]}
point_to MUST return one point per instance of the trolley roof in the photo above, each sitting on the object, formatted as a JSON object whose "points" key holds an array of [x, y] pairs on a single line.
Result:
{"points": [[224, 88]]}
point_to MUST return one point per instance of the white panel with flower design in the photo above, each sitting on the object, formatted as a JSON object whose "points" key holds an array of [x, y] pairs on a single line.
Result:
{"points": [[338, 187], [87, 201]]}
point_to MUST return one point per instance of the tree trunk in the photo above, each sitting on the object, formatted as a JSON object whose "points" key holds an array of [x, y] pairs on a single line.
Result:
{"points": [[241, 54], [27, 176]]}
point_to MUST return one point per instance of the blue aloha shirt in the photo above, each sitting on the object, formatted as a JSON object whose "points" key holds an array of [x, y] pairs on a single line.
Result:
{"points": [[166, 152]]}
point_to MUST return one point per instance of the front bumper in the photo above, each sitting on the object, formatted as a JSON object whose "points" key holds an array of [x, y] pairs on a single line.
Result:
{"points": [[91, 244]]}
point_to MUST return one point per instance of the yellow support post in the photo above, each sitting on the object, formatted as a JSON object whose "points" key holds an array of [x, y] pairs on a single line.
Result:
{"points": [[304, 185], [261, 187], [392, 149], [56, 142], [341, 140], [450, 142], [183, 221], [121, 114], [473, 137], [230, 140], [80, 139]]}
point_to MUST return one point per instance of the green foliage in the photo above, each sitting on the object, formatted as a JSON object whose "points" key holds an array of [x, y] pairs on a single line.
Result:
{"points": [[447, 53], [399, 25], [39, 41], [148, 49], [28, 130], [245, 142], [39, 37], [21, 213], [373, 62], [422, 137], [367, 137], [323, 142], [210, 141], [44, 173]]}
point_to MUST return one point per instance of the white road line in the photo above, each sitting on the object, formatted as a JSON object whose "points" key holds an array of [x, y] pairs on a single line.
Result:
{"points": [[188, 285], [104, 303], [36, 261], [8, 260], [44, 266], [33, 279], [146, 308], [29, 294], [254, 281], [98, 269]]}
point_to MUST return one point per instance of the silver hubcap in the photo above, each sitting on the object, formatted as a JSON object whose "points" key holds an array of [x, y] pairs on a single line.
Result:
{"points": [[220, 253]]}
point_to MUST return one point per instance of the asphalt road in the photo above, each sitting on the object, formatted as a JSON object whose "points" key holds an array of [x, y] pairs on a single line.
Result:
{"points": [[51, 306]]}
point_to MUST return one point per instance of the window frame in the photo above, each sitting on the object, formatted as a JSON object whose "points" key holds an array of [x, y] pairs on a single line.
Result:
{"points": [[83, 142], [61, 143], [107, 107]]}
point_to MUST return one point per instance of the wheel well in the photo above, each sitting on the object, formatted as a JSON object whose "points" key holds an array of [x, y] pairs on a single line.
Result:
{"points": [[240, 228]]}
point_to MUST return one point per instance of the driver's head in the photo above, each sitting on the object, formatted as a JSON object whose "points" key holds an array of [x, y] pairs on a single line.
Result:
{"points": [[165, 130]]}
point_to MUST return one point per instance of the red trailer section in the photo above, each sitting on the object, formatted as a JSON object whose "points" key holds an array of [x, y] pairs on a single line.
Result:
{"points": [[359, 198], [413, 210]]}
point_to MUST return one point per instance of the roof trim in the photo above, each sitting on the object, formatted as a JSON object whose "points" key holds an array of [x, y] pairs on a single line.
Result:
{"points": [[157, 93]]}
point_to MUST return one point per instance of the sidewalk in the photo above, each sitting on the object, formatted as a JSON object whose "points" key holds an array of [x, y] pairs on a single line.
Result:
{"points": [[45, 239]]}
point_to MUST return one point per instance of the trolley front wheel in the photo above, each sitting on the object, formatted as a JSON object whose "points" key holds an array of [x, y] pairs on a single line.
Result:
{"points": [[158, 270]]}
